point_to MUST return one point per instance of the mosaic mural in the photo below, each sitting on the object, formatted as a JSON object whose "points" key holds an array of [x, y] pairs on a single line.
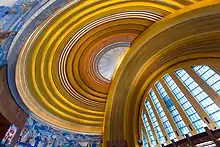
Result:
{"points": [[36, 134], [13, 14]]}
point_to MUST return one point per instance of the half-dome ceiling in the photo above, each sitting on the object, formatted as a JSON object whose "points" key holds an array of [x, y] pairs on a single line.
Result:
{"points": [[65, 69]]}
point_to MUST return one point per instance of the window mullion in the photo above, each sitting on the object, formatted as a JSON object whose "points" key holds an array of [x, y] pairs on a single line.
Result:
{"points": [[215, 68]]}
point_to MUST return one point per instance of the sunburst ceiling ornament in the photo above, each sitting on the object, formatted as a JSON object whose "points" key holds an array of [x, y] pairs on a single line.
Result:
{"points": [[109, 60]]}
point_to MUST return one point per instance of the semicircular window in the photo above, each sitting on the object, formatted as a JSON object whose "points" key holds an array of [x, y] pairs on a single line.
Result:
{"points": [[180, 103]]}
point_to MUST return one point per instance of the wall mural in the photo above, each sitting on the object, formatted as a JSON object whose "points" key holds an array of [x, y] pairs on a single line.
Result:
{"points": [[13, 14], [36, 134]]}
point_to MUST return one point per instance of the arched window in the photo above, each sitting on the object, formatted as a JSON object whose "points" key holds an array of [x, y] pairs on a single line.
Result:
{"points": [[181, 101]]}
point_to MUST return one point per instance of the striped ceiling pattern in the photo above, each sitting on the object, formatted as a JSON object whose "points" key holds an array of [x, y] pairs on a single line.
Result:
{"points": [[65, 69]]}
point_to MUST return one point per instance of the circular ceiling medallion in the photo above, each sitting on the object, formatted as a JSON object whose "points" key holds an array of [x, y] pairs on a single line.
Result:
{"points": [[109, 60]]}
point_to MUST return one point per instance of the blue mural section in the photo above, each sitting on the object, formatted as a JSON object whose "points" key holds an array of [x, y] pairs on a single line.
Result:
{"points": [[36, 134], [11, 20]]}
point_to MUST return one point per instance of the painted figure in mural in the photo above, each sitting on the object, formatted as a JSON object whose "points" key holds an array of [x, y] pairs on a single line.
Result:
{"points": [[94, 144], [54, 143], [29, 139], [45, 142], [4, 35], [23, 132], [37, 140], [88, 145], [9, 137]]}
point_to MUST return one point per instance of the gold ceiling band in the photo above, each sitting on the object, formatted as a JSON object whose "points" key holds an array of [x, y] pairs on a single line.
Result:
{"points": [[82, 49], [54, 66], [83, 37], [109, 34], [62, 60], [92, 80], [69, 72], [114, 29], [43, 76], [105, 26]]}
